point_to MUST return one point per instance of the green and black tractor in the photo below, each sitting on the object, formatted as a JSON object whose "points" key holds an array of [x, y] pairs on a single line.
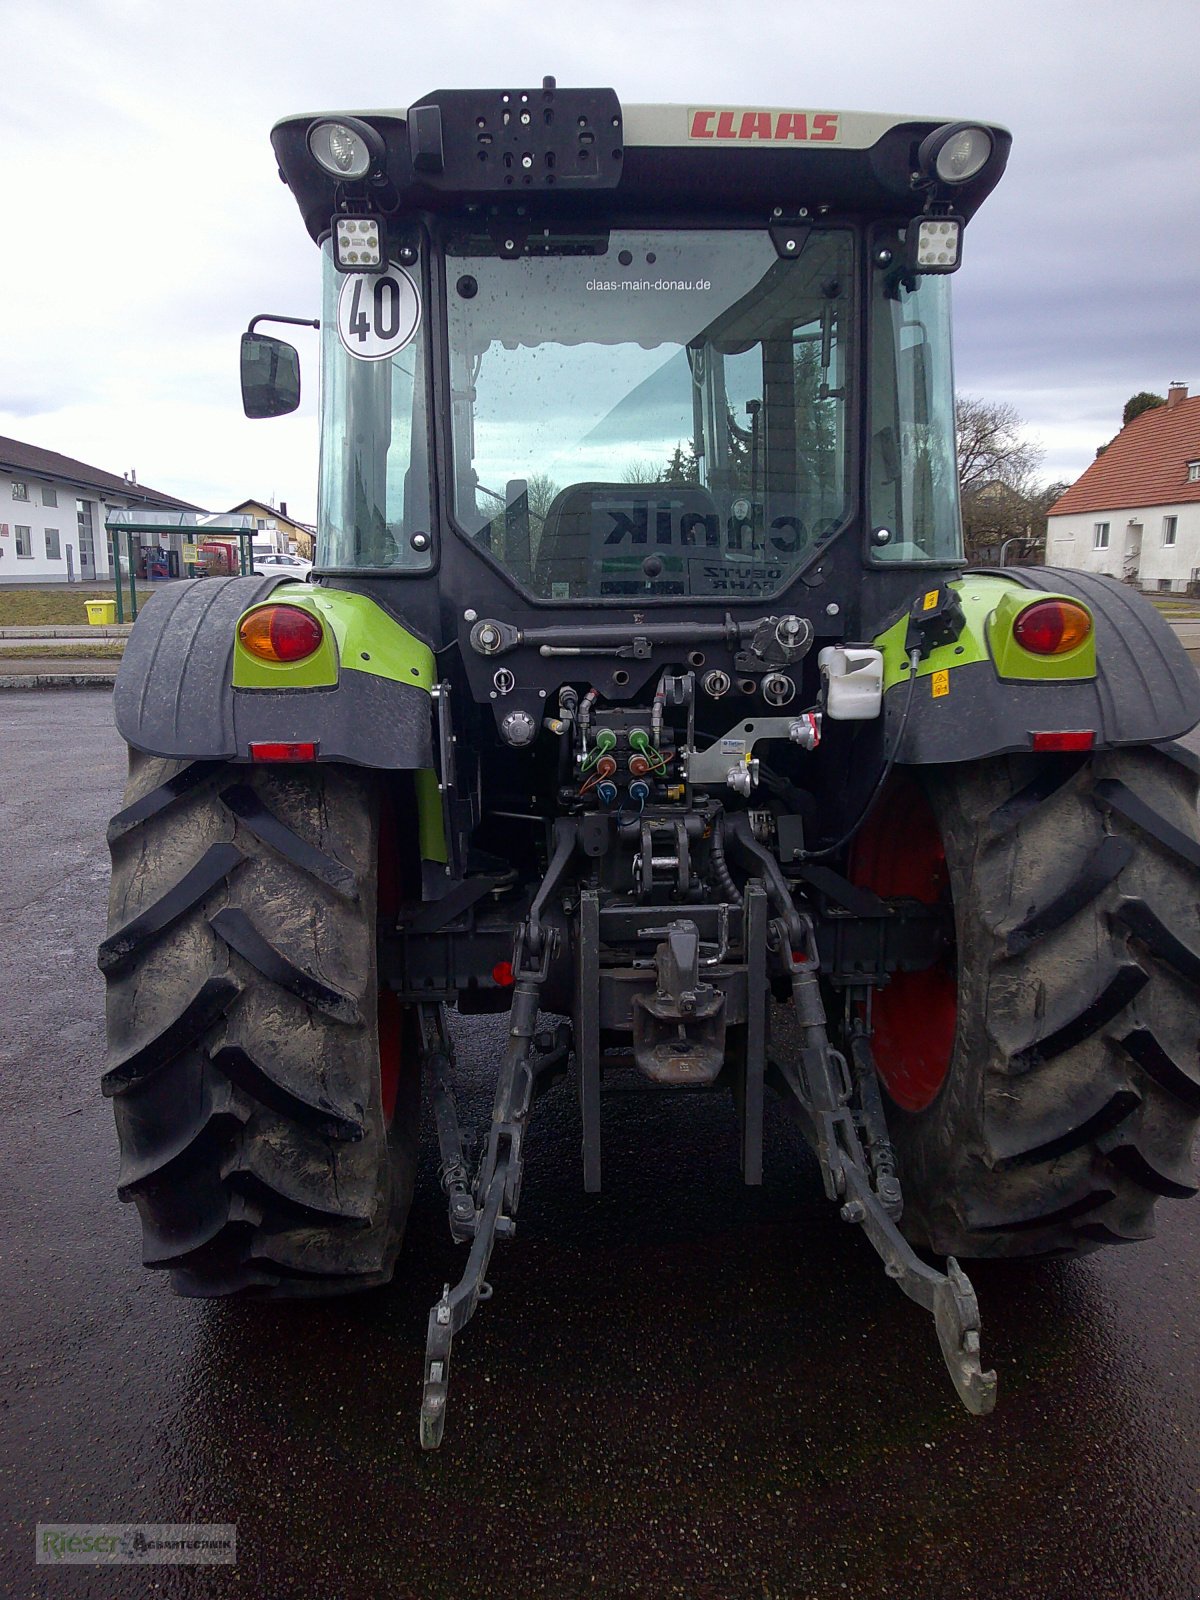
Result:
{"points": [[642, 693]]}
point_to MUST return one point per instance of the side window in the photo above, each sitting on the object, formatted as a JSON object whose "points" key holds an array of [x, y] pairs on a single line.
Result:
{"points": [[374, 488], [914, 513]]}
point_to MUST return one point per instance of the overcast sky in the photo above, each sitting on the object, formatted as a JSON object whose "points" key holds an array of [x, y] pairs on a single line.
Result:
{"points": [[144, 223]]}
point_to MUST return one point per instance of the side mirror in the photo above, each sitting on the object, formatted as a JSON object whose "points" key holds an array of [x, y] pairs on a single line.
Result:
{"points": [[270, 376]]}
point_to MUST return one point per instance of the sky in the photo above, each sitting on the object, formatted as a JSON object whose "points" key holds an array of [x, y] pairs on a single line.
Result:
{"points": [[145, 224]]}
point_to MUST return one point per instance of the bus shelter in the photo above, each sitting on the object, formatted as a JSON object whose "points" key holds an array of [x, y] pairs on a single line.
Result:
{"points": [[160, 545]]}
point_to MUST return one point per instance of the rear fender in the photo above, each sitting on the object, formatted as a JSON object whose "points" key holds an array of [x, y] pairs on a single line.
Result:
{"points": [[1140, 687], [188, 690]]}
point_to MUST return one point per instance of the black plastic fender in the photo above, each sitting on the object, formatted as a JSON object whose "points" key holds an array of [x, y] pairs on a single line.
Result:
{"points": [[1146, 688], [174, 693]]}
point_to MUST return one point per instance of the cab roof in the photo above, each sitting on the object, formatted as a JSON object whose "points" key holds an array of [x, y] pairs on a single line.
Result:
{"points": [[577, 153]]}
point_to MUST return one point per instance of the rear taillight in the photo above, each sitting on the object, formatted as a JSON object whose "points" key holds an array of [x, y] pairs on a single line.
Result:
{"points": [[280, 633], [1052, 627]]}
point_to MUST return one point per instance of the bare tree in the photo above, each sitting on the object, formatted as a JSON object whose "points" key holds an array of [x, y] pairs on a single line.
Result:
{"points": [[997, 465], [541, 490], [991, 448]]}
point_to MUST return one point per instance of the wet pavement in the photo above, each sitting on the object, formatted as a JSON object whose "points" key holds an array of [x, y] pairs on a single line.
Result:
{"points": [[681, 1388]]}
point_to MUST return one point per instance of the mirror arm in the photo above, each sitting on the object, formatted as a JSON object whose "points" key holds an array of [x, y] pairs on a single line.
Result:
{"points": [[298, 322]]}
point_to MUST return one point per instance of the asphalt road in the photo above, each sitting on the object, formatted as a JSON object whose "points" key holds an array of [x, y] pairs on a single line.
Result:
{"points": [[681, 1388]]}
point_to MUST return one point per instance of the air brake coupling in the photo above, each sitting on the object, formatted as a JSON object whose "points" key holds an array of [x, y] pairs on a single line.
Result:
{"points": [[775, 642]]}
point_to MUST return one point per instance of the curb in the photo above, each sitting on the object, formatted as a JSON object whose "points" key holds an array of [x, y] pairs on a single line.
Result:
{"points": [[56, 680], [64, 630]]}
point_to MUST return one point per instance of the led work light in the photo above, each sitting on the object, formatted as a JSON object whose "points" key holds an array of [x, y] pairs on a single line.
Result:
{"points": [[934, 244], [358, 244]]}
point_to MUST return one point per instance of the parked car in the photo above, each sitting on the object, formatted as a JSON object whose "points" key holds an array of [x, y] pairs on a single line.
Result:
{"points": [[296, 566]]}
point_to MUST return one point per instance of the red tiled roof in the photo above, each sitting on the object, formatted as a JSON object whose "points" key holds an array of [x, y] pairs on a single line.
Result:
{"points": [[1145, 465]]}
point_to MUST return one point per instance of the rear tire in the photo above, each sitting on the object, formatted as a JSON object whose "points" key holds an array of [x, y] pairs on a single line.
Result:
{"points": [[244, 1030], [1070, 1099]]}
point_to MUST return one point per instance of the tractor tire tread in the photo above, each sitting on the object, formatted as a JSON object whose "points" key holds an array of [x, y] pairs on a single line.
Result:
{"points": [[243, 1066], [1071, 1101]]}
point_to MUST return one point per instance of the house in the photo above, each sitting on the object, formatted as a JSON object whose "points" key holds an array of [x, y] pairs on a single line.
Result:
{"points": [[273, 524], [52, 512], [1135, 513]]}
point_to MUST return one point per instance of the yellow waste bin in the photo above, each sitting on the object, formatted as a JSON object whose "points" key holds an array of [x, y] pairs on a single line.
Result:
{"points": [[101, 612]]}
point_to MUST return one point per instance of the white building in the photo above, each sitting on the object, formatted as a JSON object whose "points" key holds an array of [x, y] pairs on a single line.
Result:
{"points": [[1135, 513], [52, 512]]}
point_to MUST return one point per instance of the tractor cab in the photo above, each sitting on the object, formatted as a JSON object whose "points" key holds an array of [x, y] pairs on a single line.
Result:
{"points": [[645, 355]]}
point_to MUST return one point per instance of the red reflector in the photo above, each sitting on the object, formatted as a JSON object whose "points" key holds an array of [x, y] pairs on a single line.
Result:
{"points": [[502, 974], [283, 752], [1084, 739]]}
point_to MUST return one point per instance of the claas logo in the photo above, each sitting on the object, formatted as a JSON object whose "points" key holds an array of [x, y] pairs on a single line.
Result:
{"points": [[774, 127]]}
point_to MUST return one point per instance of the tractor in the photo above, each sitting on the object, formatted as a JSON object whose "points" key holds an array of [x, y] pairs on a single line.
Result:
{"points": [[642, 693]]}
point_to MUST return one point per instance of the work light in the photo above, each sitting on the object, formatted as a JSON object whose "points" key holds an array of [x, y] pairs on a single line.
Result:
{"points": [[955, 153], [347, 149], [358, 244], [934, 244]]}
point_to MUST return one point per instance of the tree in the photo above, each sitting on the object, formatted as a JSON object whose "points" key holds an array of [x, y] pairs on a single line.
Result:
{"points": [[1137, 403], [996, 477], [990, 446], [541, 489], [683, 467]]}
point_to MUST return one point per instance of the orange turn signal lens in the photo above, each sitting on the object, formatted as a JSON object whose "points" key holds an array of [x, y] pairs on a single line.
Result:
{"points": [[1052, 627], [280, 633]]}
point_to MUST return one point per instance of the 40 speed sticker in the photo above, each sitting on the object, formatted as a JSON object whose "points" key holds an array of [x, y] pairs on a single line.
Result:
{"points": [[378, 313]]}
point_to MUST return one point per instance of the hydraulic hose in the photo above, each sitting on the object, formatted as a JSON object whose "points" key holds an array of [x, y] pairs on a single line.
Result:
{"points": [[716, 852], [914, 661]]}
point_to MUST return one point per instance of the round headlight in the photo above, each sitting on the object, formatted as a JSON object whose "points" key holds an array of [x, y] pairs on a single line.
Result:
{"points": [[342, 150], [957, 153]]}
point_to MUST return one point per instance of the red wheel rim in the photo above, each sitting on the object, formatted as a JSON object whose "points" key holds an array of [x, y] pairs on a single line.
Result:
{"points": [[390, 1011], [900, 855]]}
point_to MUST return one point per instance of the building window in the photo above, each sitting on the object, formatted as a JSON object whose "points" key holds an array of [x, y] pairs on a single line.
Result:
{"points": [[53, 548], [24, 542], [1100, 536], [1194, 471], [1170, 525], [49, 495], [20, 491]]}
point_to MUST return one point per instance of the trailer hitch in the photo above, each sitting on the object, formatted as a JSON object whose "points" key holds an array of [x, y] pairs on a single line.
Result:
{"points": [[817, 1090]]}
